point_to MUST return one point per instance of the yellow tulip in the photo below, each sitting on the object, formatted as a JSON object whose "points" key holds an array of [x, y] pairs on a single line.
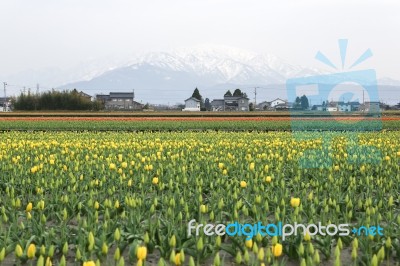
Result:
{"points": [[141, 253], [155, 180], [277, 250], [295, 202], [249, 243], [89, 263], [34, 169], [251, 166], [268, 179], [203, 208], [41, 205], [31, 251], [243, 184], [29, 207], [48, 262], [18, 251], [178, 259]]}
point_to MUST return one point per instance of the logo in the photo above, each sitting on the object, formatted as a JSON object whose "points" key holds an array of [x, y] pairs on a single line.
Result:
{"points": [[280, 229], [350, 93]]}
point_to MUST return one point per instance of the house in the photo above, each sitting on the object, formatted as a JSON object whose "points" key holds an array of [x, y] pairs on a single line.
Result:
{"points": [[348, 107], [370, 107], [236, 103], [263, 105], [231, 103], [282, 106], [332, 107], [192, 104], [318, 107], [119, 101], [217, 105], [5, 104], [276, 102]]}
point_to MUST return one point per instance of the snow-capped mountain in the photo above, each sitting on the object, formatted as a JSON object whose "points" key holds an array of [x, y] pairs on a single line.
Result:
{"points": [[213, 69], [161, 77]]}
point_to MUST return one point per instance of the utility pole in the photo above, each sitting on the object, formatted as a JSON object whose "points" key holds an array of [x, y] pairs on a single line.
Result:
{"points": [[255, 97], [363, 102], [5, 97], [133, 100], [37, 89]]}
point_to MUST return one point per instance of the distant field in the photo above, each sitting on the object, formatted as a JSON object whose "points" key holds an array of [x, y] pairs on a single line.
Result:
{"points": [[228, 123], [181, 114]]}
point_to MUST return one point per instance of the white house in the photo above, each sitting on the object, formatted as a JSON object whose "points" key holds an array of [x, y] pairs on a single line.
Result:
{"points": [[348, 107], [276, 102], [192, 104], [344, 107]]}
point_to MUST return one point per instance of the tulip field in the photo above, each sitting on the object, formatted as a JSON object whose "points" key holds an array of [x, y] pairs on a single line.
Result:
{"points": [[126, 198]]}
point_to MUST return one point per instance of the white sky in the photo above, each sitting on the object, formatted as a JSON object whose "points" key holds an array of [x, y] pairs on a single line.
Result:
{"points": [[64, 33]]}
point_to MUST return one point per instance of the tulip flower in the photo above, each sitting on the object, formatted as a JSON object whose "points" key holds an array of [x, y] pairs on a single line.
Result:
{"points": [[155, 180], [29, 207], [141, 253], [295, 202], [18, 251], [277, 250]]}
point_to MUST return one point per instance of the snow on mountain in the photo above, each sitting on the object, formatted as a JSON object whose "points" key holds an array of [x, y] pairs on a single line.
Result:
{"points": [[227, 63], [213, 69], [171, 76]]}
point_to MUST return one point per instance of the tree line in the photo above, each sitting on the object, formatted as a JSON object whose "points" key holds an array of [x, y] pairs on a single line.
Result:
{"points": [[55, 100]]}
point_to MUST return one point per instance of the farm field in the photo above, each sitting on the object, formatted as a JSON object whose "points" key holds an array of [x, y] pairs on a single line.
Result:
{"points": [[172, 113], [126, 198], [227, 123]]}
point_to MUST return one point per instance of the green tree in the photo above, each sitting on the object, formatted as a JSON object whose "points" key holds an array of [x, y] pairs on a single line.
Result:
{"points": [[297, 103], [251, 107], [196, 94], [304, 102], [207, 104], [228, 94], [55, 100], [237, 93]]}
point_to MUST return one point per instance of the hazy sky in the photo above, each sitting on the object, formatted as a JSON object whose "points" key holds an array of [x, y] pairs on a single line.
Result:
{"points": [[64, 33]]}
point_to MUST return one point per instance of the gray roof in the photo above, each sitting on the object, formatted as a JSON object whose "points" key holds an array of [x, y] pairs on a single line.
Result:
{"points": [[348, 103], [120, 95], [235, 97], [217, 102], [192, 98], [276, 100]]}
